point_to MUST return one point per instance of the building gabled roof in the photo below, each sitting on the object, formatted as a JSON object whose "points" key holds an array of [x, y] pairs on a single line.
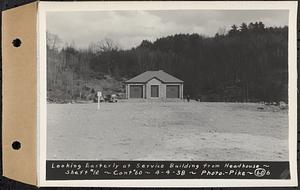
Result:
{"points": [[160, 75]]}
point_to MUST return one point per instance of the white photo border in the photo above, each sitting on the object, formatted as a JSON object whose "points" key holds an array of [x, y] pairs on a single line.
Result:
{"points": [[44, 7]]}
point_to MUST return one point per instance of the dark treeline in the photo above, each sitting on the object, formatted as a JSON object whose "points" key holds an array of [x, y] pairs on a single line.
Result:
{"points": [[248, 63]]}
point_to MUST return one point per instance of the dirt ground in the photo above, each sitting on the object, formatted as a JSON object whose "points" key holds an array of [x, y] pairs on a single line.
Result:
{"points": [[167, 131]]}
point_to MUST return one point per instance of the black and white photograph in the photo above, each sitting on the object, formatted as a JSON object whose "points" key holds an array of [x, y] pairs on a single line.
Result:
{"points": [[168, 85], [171, 87]]}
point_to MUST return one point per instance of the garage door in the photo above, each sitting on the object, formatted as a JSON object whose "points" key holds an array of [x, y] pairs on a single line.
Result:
{"points": [[172, 91], [136, 91]]}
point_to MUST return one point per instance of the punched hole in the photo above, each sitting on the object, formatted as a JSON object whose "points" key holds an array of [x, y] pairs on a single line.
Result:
{"points": [[16, 42], [16, 145]]}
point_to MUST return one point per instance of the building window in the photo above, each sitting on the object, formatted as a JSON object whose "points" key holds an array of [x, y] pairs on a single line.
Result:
{"points": [[154, 91]]}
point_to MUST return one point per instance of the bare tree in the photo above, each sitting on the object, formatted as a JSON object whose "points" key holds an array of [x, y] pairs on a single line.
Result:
{"points": [[53, 41]]}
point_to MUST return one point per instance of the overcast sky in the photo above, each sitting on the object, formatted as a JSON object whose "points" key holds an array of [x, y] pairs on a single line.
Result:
{"points": [[129, 28]]}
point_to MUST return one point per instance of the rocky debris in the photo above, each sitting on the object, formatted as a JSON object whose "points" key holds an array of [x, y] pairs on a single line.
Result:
{"points": [[272, 106], [283, 105]]}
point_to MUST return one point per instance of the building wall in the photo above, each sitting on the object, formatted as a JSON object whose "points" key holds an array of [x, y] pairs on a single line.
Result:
{"points": [[181, 91], [161, 89], [147, 89]]}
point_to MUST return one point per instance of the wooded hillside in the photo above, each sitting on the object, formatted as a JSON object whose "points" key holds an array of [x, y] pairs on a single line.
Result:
{"points": [[248, 63]]}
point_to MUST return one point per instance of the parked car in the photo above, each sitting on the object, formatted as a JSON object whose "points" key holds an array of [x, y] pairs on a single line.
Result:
{"points": [[111, 98]]}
